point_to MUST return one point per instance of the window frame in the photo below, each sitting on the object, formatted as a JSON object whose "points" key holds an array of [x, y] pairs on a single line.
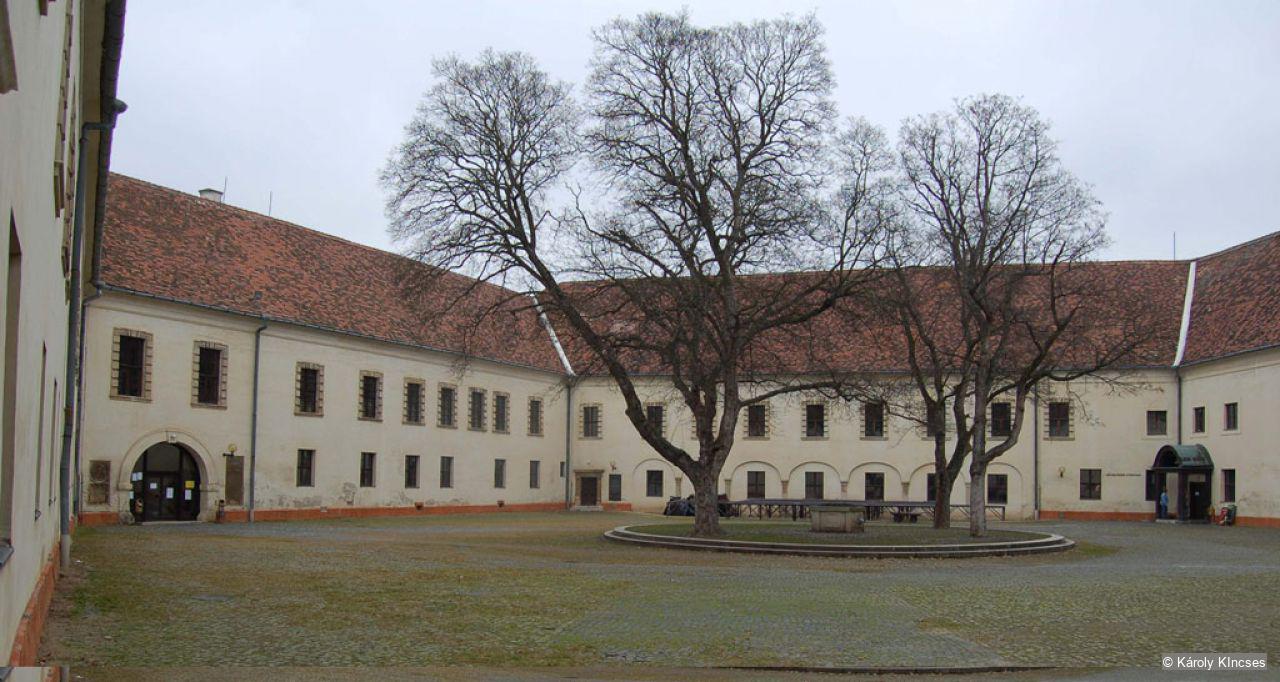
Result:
{"points": [[477, 409], [808, 414], [501, 412], [661, 409], [870, 481], [1198, 420], [1064, 421], [763, 409], [1091, 484], [306, 462], [412, 471], [1231, 417], [535, 474], [499, 473], [534, 424], [144, 371], [1001, 426], [1162, 417], [446, 472], [596, 423], [199, 380], [615, 488], [447, 408], [873, 415], [1228, 485], [815, 481], [1004, 488], [365, 401], [299, 386], [368, 469], [757, 482], [414, 388], [654, 481]]}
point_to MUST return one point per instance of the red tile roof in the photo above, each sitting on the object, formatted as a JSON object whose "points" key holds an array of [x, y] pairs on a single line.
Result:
{"points": [[165, 243], [1236, 304]]}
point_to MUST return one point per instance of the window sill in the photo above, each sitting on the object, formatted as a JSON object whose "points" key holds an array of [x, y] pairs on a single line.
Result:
{"points": [[755, 438], [815, 438], [446, 426], [210, 406], [369, 419], [131, 398], [589, 438], [477, 430], [502, 431], [298, 413], [1059, 438], [534, 435], [875, 438], [409, 423]]}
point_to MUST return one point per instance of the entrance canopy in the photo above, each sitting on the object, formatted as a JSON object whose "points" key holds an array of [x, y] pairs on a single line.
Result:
{"points": [[1183, 458]]}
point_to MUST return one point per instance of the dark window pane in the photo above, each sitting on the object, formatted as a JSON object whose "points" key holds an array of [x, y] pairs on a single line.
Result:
{"points": [[757, 425], [931, 487], [445, 410], [1059, 420], [500, 413], [1090, 484], [813, 485], [815, 421], [499, 473], [132, 357], [1231, 417], [413, 402], [446, 472], [411, 471], [1228, 485], [873, 486], [653, 483], [535, 417], [998, 488], [475, 410], [535, 474], [935, 420], [591, 421], [308, 389], [1001, 420], [615, 487], [873, 420], [755, 485], [656, 415], [1157, 422], [1197, 420], [306, 468], [366, 469], [369, 397], [209, 383]]}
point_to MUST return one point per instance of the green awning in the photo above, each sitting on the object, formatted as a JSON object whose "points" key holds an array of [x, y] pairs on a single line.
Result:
{"points": [[1183, 458]]}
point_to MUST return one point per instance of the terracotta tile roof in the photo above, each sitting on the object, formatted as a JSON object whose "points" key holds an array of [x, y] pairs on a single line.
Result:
{"points": [[1139, 300], [1236, 304], [162, 242]]}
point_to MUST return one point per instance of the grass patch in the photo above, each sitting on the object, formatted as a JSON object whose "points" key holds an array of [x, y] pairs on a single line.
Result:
{"points": [[875, 534]]}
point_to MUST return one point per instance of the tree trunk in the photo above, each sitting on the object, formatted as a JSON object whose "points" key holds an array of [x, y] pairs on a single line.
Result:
{"points": [[977, 497], [706, 516], [942, 501]]}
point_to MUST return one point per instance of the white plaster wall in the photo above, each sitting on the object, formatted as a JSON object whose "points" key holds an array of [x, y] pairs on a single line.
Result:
{"points": [[119, 430], [28, 118], [1253, 381]]}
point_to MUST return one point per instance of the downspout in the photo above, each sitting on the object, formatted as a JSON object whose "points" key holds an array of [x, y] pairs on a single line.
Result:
{"points": [[568, 443], [73, 336], [1183, 329], [1035, 450], [253, 427]]}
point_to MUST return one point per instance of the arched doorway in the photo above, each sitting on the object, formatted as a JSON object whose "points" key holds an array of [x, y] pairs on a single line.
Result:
{"points": [[166, 484]]}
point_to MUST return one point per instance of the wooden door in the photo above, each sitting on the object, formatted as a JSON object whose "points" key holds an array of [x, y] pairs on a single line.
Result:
{"points": [[590, 496]]}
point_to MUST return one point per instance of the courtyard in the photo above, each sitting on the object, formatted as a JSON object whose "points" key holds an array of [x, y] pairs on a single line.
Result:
{"points": [[543, 591]]}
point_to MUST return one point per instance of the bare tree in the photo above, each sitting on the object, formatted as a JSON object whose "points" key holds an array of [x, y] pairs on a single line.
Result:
{"points": [[717, 163], [1008, 298]]}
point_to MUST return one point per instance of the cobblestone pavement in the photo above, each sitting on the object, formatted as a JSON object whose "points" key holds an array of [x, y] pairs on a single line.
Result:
{"points": [[541, 591]]}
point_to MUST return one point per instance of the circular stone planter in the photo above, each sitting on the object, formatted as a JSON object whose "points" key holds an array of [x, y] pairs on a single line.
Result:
{"points": [[1036, 543]]}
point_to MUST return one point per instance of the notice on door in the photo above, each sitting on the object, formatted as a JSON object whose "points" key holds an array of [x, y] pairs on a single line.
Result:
{"points": [[154, 485], [187, 495], [168, 493], [190, 484]]}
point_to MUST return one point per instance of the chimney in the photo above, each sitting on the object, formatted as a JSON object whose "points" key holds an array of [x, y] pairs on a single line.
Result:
{"points": [[211, 194]]}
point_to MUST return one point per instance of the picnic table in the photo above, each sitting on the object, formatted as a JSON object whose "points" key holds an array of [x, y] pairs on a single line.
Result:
{"points": [[899, 510]]}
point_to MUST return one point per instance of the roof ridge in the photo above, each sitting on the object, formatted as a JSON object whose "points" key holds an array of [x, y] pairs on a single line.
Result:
{"points": [[1241, 245]]}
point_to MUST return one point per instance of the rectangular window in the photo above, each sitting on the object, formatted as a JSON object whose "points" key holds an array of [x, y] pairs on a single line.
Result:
{"points": [[590, 421], [997, 489], [757, 421], [499, 473], [446, 472], [1157, 422], [1059, 419], [1155, 484], [535, 474], [934, 420], [209, 376], [873, 420], [476, 417], [133, 353], [755, 485], [873, 486], [815, 420], [1001, 420], [411, 471], [562, 469], [367, 464], [306, 477], [535, 417], [1197, 420], [615, 487], [653, 483], [1228, 485], [370, 396], [309, 393], [931, 487], [414, 398], [1231, 416], [813, 485], [446, 410], [501, 412], [656, 416], [1091, 484]]}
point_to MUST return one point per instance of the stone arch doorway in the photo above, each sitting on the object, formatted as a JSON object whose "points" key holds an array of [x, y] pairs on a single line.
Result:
{"points": [[166, 484]]}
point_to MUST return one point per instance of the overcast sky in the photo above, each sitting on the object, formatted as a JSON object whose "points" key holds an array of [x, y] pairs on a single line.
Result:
{"points": [[1171, 110]]}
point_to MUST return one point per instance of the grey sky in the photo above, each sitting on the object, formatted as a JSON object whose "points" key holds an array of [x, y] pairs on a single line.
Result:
{"points": [[1168, 108]]}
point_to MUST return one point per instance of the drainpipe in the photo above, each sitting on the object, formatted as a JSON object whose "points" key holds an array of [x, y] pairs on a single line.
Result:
{"points": [[73, 335], [1177, 376], [568, 443], [1035, 450], [253, 428], [76, 468]]}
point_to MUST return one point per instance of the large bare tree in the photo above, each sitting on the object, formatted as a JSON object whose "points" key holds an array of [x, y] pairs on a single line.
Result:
{"points": [[995, 289], [711, 159]]}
